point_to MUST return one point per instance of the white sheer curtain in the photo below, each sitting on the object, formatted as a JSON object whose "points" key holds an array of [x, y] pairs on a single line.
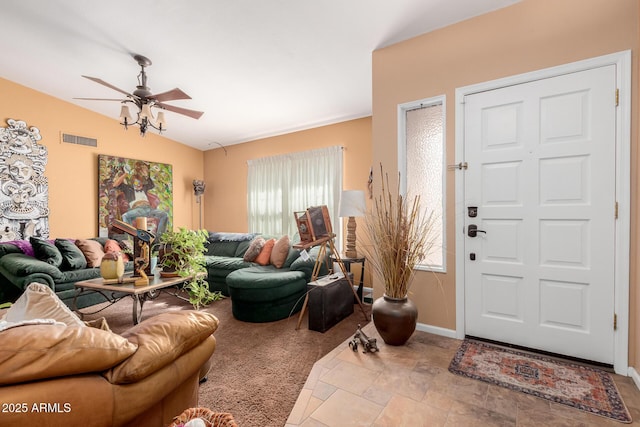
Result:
{"points": [[278, 186]]}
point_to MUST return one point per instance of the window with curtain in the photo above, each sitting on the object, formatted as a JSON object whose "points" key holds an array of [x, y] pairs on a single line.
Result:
{"points": [[278, 186], [421, 160]]}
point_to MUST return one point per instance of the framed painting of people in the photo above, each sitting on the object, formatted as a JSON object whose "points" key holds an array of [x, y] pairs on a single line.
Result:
{"points": [[137, 192]]}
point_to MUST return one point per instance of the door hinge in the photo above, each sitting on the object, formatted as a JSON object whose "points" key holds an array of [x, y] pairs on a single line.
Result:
{"points": [[615, 322], [616, 211], [617, 97]]}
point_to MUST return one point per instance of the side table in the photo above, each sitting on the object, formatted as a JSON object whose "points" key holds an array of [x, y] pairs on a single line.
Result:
{"points": [[347, 265]]}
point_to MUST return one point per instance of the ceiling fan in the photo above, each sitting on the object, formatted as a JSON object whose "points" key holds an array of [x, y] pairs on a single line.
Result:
{"points": [[144, 99]]}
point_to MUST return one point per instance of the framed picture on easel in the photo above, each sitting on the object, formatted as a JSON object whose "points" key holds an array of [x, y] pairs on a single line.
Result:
{"points": [[135, 192]]}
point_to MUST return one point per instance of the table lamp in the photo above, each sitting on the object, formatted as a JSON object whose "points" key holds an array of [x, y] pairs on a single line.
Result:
{"points": [[352, 204]]}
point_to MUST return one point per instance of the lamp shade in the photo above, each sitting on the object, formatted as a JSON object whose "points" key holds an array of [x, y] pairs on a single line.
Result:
{"points": [[146, 111], [352, 203], [160, 121], [125, 114]]}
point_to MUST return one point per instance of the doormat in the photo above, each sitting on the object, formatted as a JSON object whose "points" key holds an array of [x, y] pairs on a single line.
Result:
{"points": [[588, 389]]}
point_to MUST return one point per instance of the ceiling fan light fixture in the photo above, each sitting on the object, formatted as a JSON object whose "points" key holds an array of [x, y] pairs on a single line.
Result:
{"points": [[144, 100], [125, 115], [145, 112], [143, 123], [160, 121], [145, 119]]}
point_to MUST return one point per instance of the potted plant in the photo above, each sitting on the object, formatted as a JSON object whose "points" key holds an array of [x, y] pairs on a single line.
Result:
{"points": [[400, 236], [181, 253]]}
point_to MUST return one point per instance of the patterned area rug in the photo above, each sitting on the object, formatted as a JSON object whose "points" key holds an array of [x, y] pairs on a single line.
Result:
{"points": [[591, 390]]}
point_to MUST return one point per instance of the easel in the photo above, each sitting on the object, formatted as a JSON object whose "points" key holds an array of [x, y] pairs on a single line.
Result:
{"points": [[322, 257]]}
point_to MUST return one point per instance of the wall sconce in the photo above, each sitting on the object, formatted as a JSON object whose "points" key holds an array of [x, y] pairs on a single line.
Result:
{"points": [[198, 190]]}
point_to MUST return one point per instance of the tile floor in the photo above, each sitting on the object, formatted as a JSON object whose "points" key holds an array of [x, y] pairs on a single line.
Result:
{"points": [[411, 386]]}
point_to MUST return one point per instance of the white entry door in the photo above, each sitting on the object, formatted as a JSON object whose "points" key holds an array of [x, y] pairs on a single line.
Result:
{"points": [[541, 176]]}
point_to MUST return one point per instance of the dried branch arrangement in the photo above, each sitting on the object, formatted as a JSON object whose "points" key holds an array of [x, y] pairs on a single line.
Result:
{"points": [[400, 237]]}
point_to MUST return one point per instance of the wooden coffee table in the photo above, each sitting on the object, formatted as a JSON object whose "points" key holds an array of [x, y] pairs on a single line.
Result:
{"points": [[115, 292]]}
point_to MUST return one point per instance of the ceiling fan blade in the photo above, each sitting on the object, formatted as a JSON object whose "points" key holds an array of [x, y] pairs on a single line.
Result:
{"points": [[170, 95], [101, 99], [102, 82], [184, 111]]}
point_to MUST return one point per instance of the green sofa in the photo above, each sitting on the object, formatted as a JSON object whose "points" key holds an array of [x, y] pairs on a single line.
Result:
{"points": [[19, 267], [259, 293], [224, 256]]}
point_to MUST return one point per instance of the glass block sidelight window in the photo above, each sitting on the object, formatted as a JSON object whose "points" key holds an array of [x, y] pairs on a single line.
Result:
{"points": [[421, 159]]}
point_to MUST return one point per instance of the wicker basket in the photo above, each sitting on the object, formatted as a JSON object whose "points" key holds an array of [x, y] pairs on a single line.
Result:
{"points": [[210, 418]]}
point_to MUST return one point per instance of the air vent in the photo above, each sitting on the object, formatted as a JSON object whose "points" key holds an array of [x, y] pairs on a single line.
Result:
{"points": [[79, 140]]}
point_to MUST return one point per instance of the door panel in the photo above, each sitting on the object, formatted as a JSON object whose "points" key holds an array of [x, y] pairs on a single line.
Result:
{"points": [[541, 159]]}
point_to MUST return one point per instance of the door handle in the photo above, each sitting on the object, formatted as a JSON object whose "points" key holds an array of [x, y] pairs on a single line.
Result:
{"points": [[472, 230]]}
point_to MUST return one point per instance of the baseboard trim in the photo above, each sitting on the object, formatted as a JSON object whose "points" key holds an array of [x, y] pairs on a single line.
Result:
{"points": [[436, 330], [635, 376]]}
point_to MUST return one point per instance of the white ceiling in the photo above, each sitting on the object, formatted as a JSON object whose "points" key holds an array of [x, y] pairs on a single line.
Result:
{"points": [[256, 68]]}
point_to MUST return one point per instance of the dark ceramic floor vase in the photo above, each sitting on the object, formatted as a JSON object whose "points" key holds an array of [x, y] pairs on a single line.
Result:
{"points": [[395, 319]]}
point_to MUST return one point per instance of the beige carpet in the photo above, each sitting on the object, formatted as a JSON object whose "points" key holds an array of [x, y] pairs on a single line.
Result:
{"points": [[258, 368]]}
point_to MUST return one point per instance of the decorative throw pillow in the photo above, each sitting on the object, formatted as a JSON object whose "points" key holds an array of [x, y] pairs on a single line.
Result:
{"points": [[46, 251], [115, 246], [264, 256], [280, 251], [38, 301], [254, 249], [92, 250], [126, 247], [72, 256], [112, 246], [25, 246]]}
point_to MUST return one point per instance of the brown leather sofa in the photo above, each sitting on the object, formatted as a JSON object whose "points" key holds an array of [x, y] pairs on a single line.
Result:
{"points": [[55, 375]]}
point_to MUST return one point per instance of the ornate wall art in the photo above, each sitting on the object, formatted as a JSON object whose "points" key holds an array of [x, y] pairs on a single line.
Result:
{"points": [[129, 189], [24, 191]]}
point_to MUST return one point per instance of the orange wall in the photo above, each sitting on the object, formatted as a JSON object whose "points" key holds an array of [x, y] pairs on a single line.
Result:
{"points": [[72, 170], [225, 199], [527, 36]]}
